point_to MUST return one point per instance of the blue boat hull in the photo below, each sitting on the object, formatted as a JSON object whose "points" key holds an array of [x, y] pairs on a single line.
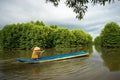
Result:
{"points": [[53, 58]]}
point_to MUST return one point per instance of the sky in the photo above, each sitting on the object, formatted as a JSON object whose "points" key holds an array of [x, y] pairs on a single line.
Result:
{"points": [[18, 11]]}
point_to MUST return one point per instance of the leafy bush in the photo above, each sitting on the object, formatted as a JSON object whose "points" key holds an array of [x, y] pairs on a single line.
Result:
{"points": [[97, 40], [110, 35], [28, 35]]}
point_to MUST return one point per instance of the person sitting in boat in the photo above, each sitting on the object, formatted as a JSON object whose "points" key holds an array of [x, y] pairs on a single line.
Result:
{"points": [[36, 52]]}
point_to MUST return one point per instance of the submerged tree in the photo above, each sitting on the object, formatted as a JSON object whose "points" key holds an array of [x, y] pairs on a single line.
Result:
{"points": [[80, 6]]}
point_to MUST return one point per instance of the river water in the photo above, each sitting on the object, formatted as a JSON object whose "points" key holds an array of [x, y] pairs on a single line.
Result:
{"points": [[102, 64]]}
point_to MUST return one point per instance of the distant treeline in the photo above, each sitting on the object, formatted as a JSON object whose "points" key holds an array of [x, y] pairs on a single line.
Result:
{"points": [[109, 36], [30, 34]]}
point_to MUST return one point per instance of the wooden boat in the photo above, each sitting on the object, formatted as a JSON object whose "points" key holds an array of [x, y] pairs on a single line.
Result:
{"points": [[53, 58]]}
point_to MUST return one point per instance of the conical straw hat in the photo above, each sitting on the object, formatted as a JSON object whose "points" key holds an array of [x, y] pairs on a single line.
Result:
{"points": [[36, 48]]}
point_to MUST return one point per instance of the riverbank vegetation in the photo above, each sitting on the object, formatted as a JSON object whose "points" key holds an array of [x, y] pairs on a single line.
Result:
{"points": [[30, 34], [109, 36]]}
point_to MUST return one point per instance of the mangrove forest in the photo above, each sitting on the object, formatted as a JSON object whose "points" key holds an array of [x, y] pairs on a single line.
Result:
{"points": [[31, 34], [109, 36]]}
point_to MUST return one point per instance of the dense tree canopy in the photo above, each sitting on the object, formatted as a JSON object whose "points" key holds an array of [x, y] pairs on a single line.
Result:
{"points": [[80, 6], [28, 35], [110, 35], [97, 40]]}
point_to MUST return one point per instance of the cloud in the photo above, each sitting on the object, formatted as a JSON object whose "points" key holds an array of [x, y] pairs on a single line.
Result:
{"points": [[14, 11]]}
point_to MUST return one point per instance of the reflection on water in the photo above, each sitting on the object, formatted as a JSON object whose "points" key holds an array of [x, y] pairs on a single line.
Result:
{"points": [[94, 67], [53, 51], [98, 48], [111, 57], [14, 54]]}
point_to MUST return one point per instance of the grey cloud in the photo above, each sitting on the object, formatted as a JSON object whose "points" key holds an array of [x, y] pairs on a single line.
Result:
{"points": [[14, 11]]}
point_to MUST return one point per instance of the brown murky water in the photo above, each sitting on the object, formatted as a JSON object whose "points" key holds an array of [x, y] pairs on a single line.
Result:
{"points": [[102, 64]]}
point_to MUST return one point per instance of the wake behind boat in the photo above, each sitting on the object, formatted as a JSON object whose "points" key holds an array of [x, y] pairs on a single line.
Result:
{"points": [[53, 58]]}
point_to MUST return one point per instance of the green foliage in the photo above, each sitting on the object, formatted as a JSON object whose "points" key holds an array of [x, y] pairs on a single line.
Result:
{"points": [[0, 41], [80, 6], [110, 35], [97, 40], [28, 35], [81, 38], [61, 37]]}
